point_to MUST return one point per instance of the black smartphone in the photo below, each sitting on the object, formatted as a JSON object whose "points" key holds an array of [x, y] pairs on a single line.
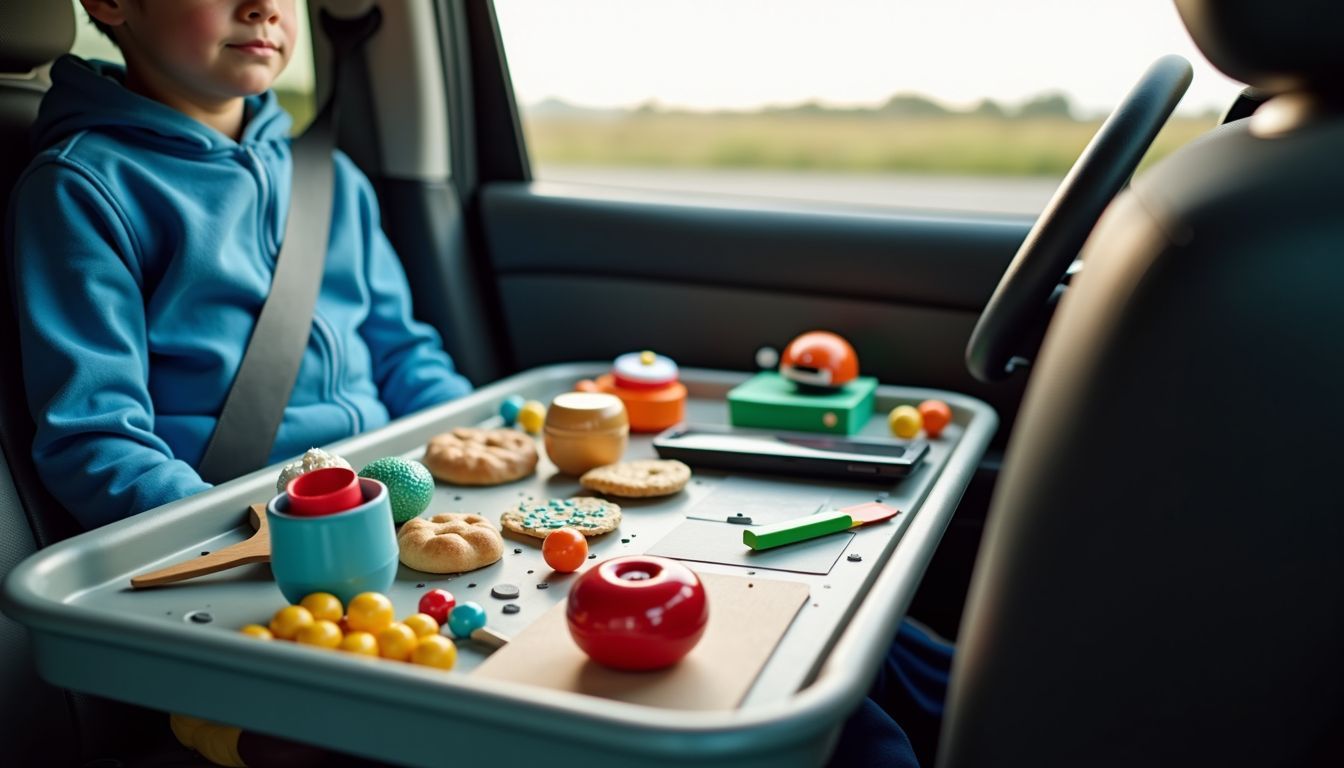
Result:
{"points": [[795, 453]]}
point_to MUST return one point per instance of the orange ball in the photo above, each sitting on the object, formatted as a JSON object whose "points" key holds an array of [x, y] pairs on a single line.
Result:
{"points": [[422, 624], [936, 416], [360, 642], [322, 633], [369, 612], [323, 605], [397, 641], [435, 651], [565, 549], [289, 620], [257, 631]]}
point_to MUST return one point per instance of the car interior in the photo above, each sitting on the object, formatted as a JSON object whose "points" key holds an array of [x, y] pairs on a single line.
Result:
{"points": [[1146, 566]]}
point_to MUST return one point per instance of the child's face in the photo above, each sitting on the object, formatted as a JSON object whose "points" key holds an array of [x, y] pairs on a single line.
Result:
{"points": [[220, 49]]}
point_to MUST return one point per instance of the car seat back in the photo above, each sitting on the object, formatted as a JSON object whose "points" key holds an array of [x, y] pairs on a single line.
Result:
{"points": [[1161, 580], [39, 724]]}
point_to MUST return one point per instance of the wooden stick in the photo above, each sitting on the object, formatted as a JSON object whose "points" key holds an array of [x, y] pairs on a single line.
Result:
{"points": [[256, 549], [488, 636]]}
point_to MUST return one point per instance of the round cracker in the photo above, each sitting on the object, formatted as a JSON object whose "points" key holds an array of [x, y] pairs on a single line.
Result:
{"points": [[634, 479], [449, 543], [586, 514], [471, 456]]}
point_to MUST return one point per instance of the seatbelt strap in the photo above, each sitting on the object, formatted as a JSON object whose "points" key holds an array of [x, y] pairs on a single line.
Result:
{"points": [[255, 405]]}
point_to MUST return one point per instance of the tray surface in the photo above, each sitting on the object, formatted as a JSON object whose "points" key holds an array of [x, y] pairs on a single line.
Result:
{"points": [[93, 632]]}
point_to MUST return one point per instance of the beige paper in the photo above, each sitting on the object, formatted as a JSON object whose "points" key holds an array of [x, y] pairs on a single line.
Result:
{"points": [[747, 618]]}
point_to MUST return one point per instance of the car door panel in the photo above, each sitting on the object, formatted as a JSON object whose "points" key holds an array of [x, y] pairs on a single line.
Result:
{"points": [[586, 273]]}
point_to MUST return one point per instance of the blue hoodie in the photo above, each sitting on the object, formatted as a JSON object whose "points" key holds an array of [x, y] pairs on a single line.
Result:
{"points": [[142, 244]]}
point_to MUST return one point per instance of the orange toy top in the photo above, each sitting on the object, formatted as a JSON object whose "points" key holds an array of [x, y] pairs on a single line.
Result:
{"points": [[647, 384], [819, 359]]}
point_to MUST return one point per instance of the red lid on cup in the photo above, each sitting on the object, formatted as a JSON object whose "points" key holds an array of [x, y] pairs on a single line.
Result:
{"points": [[324, 491]]}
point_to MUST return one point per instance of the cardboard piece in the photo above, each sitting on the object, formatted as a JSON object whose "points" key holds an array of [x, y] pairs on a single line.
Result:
{"points": [[747, 618], [770, 401], [705, 542]]}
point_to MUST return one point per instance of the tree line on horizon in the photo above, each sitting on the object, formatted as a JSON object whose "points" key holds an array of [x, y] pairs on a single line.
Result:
{"points": [[1050, 105]]}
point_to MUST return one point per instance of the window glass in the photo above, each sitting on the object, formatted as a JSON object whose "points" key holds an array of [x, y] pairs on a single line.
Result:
{"points": [[294, 87], [974, 105]]}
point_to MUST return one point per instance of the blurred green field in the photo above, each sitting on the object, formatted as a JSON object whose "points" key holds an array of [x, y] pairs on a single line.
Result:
{"points": [[952, 145]]}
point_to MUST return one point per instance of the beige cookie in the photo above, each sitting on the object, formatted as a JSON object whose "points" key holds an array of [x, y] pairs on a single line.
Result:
{"points": [[449, 543], [468, 456], [652, 477], [587, 515]]}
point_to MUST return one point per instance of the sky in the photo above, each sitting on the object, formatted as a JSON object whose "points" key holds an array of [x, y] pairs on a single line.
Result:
{"points": [[742, 54]]}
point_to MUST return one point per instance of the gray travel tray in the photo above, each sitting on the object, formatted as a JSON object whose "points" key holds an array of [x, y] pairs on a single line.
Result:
{"points": [[93, 633]]}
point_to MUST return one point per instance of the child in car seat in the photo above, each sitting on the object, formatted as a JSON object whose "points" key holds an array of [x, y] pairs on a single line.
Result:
{"points": [[143, 239]]}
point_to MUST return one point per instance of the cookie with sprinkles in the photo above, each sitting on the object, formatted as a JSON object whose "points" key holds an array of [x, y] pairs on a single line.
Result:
{"points": [[589, 516]]}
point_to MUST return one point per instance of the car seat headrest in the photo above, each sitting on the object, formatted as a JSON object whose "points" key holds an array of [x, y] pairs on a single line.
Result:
{"points": [[33, 32], [1286, 45]]}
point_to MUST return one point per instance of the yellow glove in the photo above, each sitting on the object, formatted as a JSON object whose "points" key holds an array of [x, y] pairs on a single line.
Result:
{"points": [[216, 743]]}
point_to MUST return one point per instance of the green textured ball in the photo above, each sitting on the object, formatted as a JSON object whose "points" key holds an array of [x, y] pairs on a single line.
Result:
{"points": [[409, 485]]}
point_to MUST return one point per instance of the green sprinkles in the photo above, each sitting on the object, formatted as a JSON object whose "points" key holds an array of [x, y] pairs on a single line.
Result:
{"points": [[557, 514]]}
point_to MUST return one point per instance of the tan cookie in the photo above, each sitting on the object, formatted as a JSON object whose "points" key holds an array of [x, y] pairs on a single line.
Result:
{"points": [[449, 543], [468, 456], [652, 477], [587, 515]]}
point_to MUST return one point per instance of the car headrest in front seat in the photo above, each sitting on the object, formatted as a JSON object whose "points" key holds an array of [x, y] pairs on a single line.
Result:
{"points": [[1287, 45], [33, 32]]}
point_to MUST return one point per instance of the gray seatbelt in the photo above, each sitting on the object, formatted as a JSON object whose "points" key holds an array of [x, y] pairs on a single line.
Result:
{"points": [[255, 406]]}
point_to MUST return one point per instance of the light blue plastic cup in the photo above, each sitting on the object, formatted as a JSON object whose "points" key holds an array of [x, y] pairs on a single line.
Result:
{"points": [[343, 553]]}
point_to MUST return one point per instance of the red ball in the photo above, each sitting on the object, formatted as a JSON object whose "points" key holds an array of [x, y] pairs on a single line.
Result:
{"points": [[565, 549], [936, 416], [638, 612], [437, 603]]}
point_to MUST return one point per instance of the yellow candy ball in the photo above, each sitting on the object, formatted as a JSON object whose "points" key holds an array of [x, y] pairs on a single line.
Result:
{"points": [[324, 605], [397, 641], [369, 612], [322, 633], [257, 631], [647, 357], [905, 421], [422, 624], [289, 620], [436, 651], [361, 643], [532, 416]]}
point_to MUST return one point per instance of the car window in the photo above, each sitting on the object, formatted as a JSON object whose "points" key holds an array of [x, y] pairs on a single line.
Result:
{"points": [[969, 105], [294, 87]]}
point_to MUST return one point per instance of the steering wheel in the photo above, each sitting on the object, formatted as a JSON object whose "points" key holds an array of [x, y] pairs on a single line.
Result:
{"points": [[1008, 329]]}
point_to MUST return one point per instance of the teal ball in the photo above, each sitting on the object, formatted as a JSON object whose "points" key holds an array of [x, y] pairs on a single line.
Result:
{"points": [[509, 408], [410, 487]]}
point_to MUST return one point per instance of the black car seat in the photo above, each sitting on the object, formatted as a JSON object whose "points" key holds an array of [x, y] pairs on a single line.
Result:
{"points": [[40, 724], [1162, 576]]}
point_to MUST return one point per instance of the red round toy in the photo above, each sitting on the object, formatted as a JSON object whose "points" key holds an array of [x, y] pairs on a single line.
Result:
{"points": [[637, 612], [819, 359], [437, 603], [565, 549], [937, 415]]}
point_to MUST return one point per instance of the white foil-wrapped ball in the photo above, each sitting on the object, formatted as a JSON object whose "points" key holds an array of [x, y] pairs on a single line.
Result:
{"points": [[315, 458]]}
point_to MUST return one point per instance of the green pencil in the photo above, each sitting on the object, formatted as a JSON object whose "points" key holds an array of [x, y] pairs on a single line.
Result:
{"points": [[801, 529]]}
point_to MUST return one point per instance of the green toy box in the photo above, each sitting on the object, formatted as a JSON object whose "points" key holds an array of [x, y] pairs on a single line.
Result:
{"points": [[770, 401]]}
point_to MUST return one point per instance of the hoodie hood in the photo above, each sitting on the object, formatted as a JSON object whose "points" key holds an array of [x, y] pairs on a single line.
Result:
{"points": [[90, 95]]}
